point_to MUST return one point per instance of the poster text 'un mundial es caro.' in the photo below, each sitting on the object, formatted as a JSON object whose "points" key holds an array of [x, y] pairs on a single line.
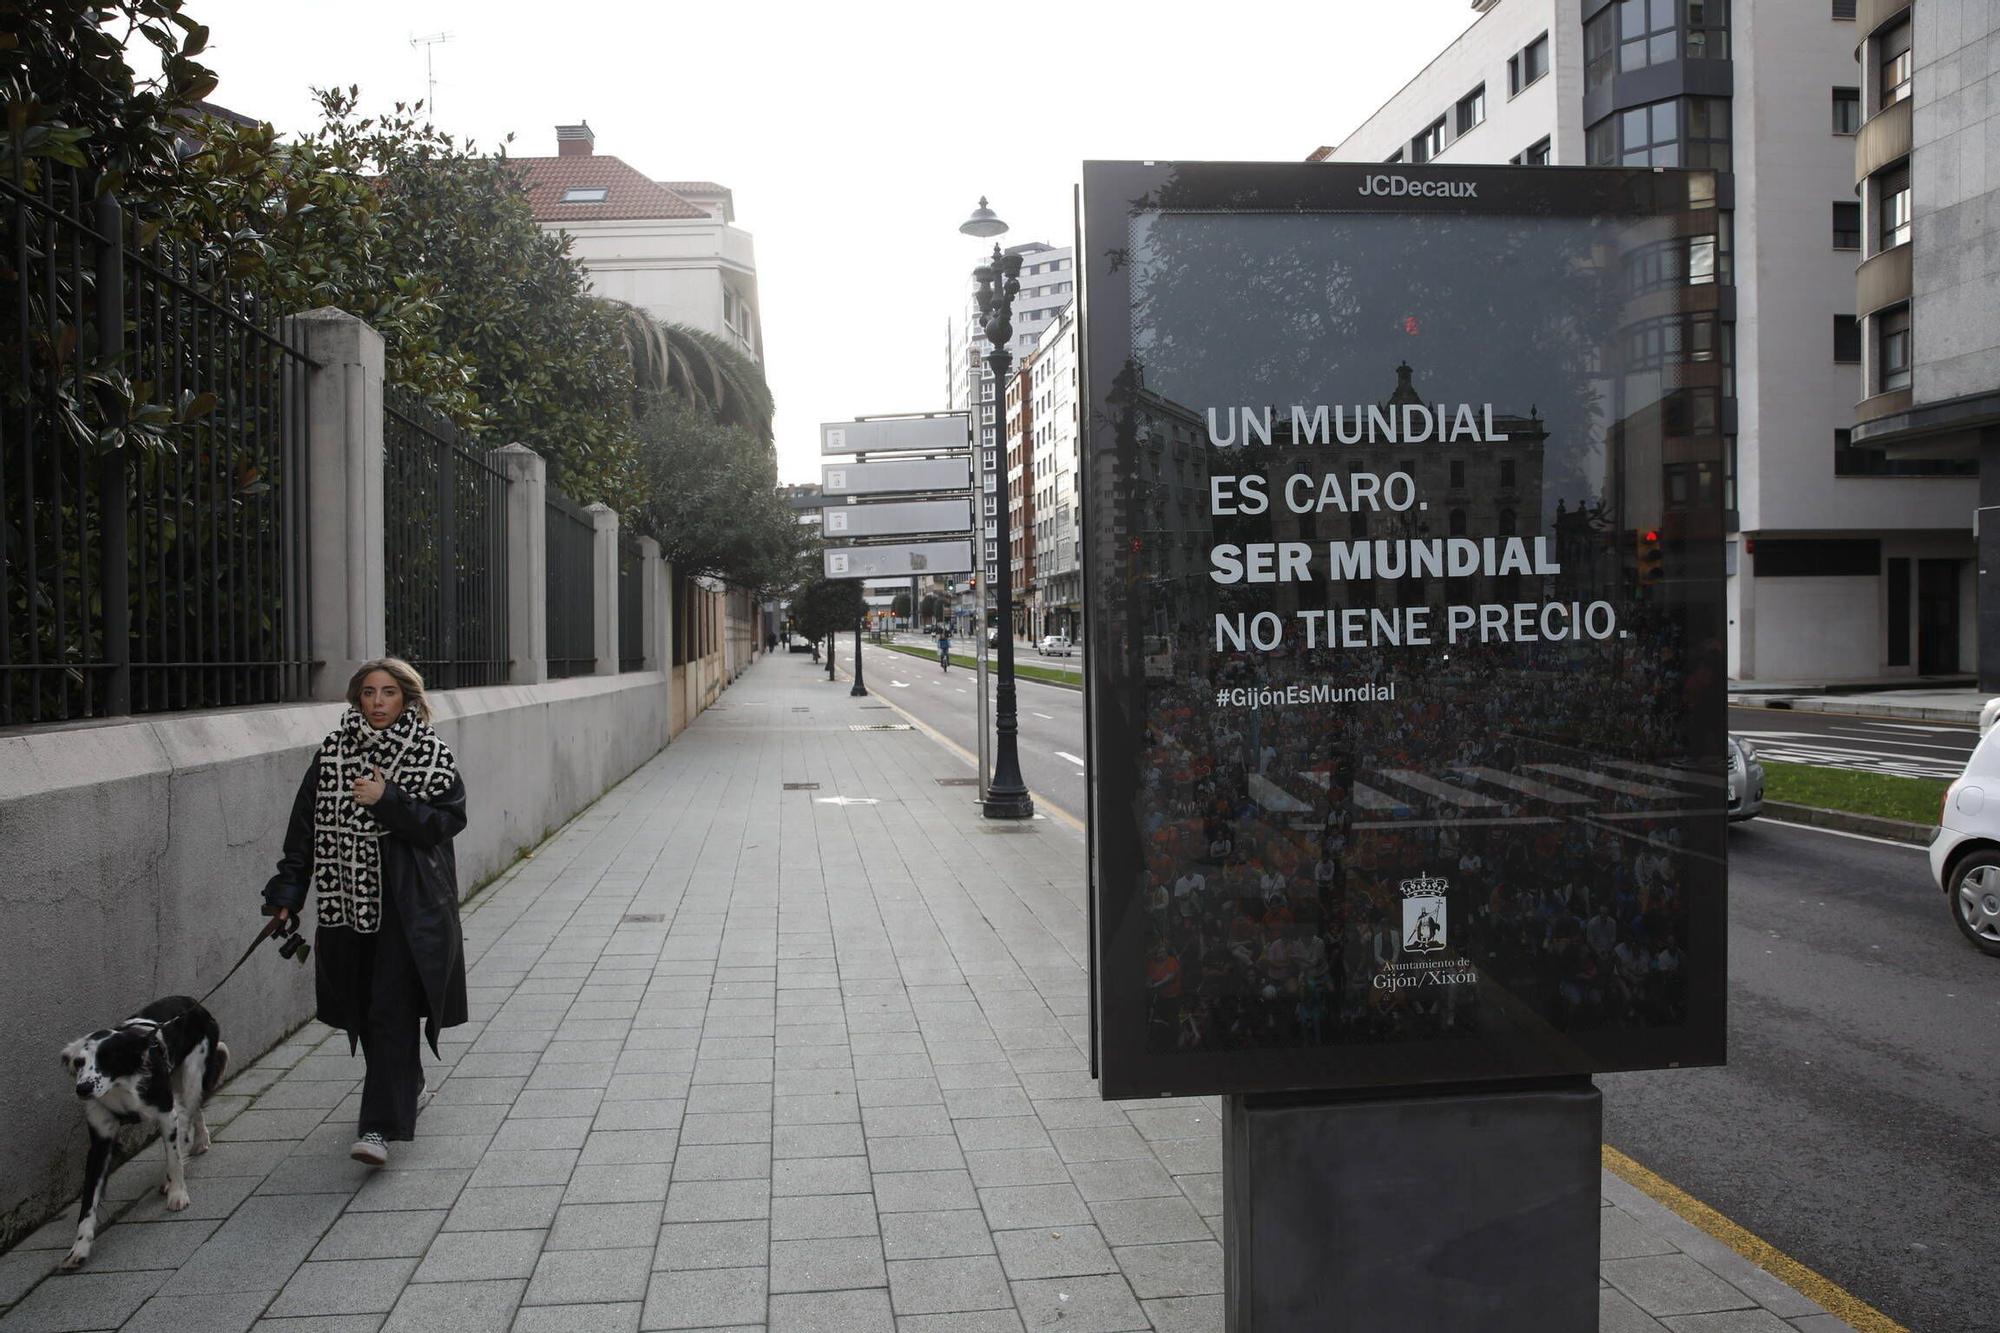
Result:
{"points": [[1406, 491]]}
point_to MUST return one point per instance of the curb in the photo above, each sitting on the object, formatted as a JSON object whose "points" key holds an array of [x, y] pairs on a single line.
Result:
{"points": [[1846, 821], [1854, 707], [1019, 679]]}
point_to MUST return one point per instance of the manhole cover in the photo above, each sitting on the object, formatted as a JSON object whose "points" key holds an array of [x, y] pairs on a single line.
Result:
{"points": [[801, 786], [958, 782], [641, 918], [1021, 827], [879, 726]]}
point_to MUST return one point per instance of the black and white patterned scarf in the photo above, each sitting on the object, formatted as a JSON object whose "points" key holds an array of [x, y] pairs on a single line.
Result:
{"points": [[347, 852]]}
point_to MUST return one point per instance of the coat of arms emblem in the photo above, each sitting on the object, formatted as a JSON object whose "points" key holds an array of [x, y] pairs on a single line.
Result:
{"points": [[1424, 914]]}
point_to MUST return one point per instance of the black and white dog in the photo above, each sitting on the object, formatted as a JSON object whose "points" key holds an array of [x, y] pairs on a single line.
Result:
{"points": [[154, 1069]]}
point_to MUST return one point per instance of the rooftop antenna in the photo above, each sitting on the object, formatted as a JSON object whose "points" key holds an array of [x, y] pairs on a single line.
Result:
{"points": [[429, 42]]}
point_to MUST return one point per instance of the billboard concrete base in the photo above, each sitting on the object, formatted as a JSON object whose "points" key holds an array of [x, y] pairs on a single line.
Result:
{"points": [[1415, 1212]]}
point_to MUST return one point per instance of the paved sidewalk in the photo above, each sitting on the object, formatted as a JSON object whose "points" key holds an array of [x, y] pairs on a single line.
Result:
{"points": [[1934, 704], [753, 1058]]}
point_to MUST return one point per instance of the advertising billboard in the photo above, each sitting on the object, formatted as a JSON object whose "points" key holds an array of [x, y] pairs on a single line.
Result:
{"points": [[896, 518], [936, 431], [1406, 493], [898, 560]]}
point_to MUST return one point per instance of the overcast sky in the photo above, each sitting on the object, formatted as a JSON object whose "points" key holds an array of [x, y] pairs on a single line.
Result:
{"points": [[856, 136]]}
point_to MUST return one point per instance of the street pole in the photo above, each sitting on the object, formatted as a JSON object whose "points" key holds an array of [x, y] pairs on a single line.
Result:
{"points": [[1007, 794], [859, 688]]}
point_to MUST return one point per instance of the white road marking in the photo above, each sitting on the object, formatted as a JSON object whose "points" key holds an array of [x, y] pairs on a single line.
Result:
{"points": [[1045, 717], [1529, 786], [900, 684], [961, 689], [1601, 780], [1769, 822], [1444, 791], [1273, 797], [1065, 754]]}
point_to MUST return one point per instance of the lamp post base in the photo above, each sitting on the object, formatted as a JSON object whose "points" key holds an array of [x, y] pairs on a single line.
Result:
{"points": [[1004, 803]]}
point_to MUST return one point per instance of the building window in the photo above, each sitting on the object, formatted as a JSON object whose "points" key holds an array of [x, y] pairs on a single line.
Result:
{"points": [[1893, 199], [1852, 461], [1506, 474], [1428, 144], [1600, 48], [1707, 30], [1708, 132], [1458, 474], [1893, 52], [1846, 110], [1691, 131], [1846, 339], [1846, 225], [1892, 350], [1843, 9], [1396, 156], [586, 194], [1472, 109], [1647, 34], [1649, 136], [1528, 65], [1534, 155]]}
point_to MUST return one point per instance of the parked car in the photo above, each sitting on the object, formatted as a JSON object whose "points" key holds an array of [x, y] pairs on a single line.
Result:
{"points": [[1989, 713], [1965, 850], [1056, 645], [1746, 780]]}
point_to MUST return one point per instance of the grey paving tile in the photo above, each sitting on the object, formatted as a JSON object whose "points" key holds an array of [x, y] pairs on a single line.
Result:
{"points": [[1105, 1143], [1149, 1221], [1016, 1166], [820, 1175], [1186, 1268], [1617, 1314], [817, 1216], [350, 1286], [1012, 1207], [923, 1191], [726, 1127], [505, 1208], [480, 1256], [380, 1235], [1672, 1284], [594, 1318], [929, 1152], [1053, 1252], [718, 1200], [883, 1122], [946, 1234], [938, 1286], [624, 1146], [865, 1311], [722, 1161], [1186, 1314], [834, 1140], [552, 1132], [962, 1321], [704, 1298], [388, 1190], [455, 1307], [710, 1244], [83, 1300], [532, 1166], [575, 1277], [1141, 1178], [634, 1182], [232, 1312], [1204, 1191], [1729, 1321], [988, 1133], [586, 1226], [1623, 1236], [1080, 1305], [127, 1247], [827, 1264], [257, 1248]]}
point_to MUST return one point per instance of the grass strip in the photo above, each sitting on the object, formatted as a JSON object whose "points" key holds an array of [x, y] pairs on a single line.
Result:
{"points": [[1053, 675], [1882, 794]]}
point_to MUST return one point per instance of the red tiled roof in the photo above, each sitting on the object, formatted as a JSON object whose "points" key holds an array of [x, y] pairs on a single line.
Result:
{"points": [[696, 187], [628, 193]]}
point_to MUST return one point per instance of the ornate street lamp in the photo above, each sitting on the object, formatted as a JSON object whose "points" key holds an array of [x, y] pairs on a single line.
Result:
{"points": [[999, 282]]}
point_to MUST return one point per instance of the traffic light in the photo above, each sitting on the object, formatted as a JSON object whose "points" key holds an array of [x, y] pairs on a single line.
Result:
{"points": [[1652, 561], [972, 584]]}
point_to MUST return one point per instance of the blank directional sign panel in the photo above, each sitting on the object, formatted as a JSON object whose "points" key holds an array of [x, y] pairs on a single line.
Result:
{"points": [[900, 560], [897, 435], [894, 476], [897, 518]]}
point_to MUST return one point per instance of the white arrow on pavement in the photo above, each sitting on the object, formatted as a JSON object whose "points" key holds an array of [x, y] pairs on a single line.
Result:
{"points": [[847, 800]]}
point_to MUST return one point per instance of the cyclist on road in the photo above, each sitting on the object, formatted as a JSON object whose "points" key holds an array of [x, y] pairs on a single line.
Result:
{"points": [[944, 650]]}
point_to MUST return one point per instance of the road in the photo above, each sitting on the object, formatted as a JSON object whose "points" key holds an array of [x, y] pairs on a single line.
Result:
{"points": [[1853, 1126], [1880, 745]]}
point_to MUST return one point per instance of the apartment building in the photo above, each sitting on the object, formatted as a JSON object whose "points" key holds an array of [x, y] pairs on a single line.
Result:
{"points": [[1053, 473], [1018, 450], [1766, 94], [672, 248], [1927, 293]]}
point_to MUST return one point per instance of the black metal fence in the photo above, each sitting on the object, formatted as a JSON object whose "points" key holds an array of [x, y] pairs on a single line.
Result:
{"points": [[152, 469], [572, 600], [631, 606], [445, 549]]}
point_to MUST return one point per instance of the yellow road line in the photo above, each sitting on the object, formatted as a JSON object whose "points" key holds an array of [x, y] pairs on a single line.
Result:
{"points": [[1042, 802], [1807, 1282]]}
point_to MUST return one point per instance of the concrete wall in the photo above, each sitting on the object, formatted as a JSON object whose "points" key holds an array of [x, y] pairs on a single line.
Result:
{"points": [[1805, 628], [1955, 191], [133, 853]]}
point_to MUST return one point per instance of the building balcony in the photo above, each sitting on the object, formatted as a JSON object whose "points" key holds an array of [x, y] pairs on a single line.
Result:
{"points": [[1884, 138], [1870, 15], [1882, 280]]}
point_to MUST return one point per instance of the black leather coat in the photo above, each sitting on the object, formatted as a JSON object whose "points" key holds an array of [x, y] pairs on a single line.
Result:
{"points": [[419, 869]]}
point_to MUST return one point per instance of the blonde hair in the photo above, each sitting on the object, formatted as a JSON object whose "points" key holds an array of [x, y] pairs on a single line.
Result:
{"points": [[405, 676]]}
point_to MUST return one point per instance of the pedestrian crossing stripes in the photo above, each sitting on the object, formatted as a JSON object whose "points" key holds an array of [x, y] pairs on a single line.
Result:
{"points": [[1483, 794]]}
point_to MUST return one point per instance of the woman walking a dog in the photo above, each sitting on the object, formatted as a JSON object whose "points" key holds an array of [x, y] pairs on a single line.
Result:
{"points": [[371, 833]]}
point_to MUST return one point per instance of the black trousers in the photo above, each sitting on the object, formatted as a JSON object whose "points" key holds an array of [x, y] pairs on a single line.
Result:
{"points": [[391, 1034]]}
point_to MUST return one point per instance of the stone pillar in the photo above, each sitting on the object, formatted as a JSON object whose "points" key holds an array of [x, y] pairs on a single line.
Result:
{"points": [[348, 577], [653, 604], [604, 584], [527, 563]]}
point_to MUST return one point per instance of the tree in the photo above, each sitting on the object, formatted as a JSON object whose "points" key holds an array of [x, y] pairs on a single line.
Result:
{"points": [[828, 606], [712, 501], [900, 606], [695, 365]]}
